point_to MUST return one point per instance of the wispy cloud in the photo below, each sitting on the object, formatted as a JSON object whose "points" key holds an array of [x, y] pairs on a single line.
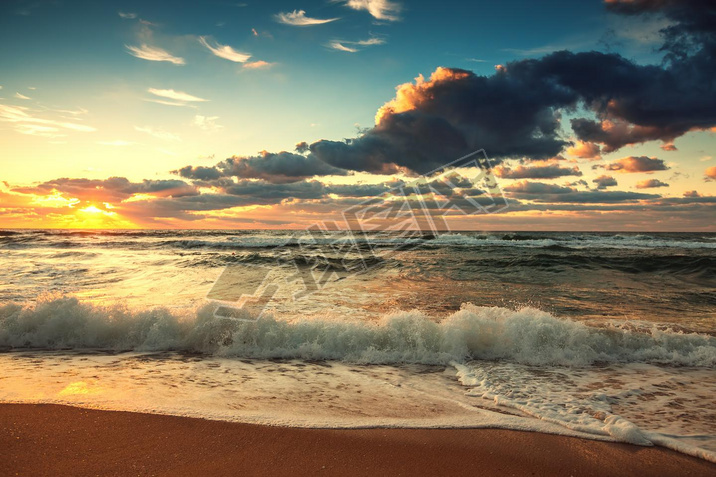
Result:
{"points": [[158, 133], [153, 53], [354, 46], [207, 123], [299, 18], [225, 51], [255, 65], [127, 16], [27, 123], [379, 9], [175, 95], [21, 96]]}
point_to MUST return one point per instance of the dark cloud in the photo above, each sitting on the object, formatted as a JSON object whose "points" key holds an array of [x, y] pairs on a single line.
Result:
{"points": [[199, 173], [516, 111], [550, 193], [278, 168], [605, 181], [691, 194], [549, 171], [302, 147], [637, 164], [651, 184]]}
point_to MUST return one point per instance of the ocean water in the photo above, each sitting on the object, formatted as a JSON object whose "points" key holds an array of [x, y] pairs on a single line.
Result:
{"points": [[610, 336]]}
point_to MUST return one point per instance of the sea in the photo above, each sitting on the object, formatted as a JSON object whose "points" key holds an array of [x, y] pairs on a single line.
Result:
{"points": [[607, 336]]}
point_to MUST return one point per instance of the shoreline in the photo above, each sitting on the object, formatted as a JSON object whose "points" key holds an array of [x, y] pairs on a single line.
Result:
{"points": [[51, 439]]}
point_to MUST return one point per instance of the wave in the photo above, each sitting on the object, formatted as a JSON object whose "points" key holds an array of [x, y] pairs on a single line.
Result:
{"points": [[528, 336], [236, 240], [703, 267]]}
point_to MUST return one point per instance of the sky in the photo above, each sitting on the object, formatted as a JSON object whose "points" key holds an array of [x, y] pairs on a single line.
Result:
{"points": [[596, 115]]}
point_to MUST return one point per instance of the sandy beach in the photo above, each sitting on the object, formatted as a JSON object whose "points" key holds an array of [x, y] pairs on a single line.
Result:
{"points": [[62, 440]]}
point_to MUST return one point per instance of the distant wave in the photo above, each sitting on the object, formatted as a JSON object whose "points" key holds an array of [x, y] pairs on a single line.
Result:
{"points": [[525, 336], [237, 240]]}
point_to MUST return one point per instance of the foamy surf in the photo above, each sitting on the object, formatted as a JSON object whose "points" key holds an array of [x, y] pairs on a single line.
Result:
{"points": [[527, 336], [478, 367]]}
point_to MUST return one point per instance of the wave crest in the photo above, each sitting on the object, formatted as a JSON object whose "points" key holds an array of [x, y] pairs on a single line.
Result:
{"points": [[528, 336]]}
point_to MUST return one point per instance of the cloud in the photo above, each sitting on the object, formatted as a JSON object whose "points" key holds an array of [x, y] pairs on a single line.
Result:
{"points": [[637, 164], [114, 189], [302, 147], [691, 194], [277, 168], [516, 112], [152, 53], [207, 123], [337, 45], [175, 95], [225, 51], [550, 193], [668, 147], [299, 18], [26, 122], [354, 46], [651, 184], [432, 122], [158, 133], [710, 173], [585, 150], [21, 96], [260, 64], [548, 171], [127, 16], [537, 188], [605, 181], [379, 9]]}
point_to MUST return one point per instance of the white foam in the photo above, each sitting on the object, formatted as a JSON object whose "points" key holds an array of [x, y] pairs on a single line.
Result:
{"points": [[639, 404]]}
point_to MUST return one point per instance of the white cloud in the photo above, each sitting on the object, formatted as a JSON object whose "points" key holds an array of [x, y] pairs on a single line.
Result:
{"points": [[27, 123], [255, 65], [299, 18], [207, 123], [158, 133], [175, 95], [352, 46], [337, 45], [153, 53], [225, 51], [21, 96], [380, 9], [127, 16]]}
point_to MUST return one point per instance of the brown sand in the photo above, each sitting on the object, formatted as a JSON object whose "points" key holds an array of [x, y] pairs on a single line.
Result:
{"points": [[60, 440]]}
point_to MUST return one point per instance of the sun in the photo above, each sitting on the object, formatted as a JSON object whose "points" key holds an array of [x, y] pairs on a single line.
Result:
{"points": [[92, 209]]}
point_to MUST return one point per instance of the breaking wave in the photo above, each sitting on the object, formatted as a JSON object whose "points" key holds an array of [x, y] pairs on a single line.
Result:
{"points": [[528, 336]]}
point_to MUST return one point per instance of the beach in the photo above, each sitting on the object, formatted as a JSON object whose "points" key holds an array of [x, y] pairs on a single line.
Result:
{"points": [[61, 440]]}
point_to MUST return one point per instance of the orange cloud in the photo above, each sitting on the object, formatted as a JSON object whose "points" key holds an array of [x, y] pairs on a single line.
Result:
{"points": [[585, 150], [409, 96]]}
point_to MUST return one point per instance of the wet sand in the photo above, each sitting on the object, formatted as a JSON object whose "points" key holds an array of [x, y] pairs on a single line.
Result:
{"points": [[60, 440]]}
